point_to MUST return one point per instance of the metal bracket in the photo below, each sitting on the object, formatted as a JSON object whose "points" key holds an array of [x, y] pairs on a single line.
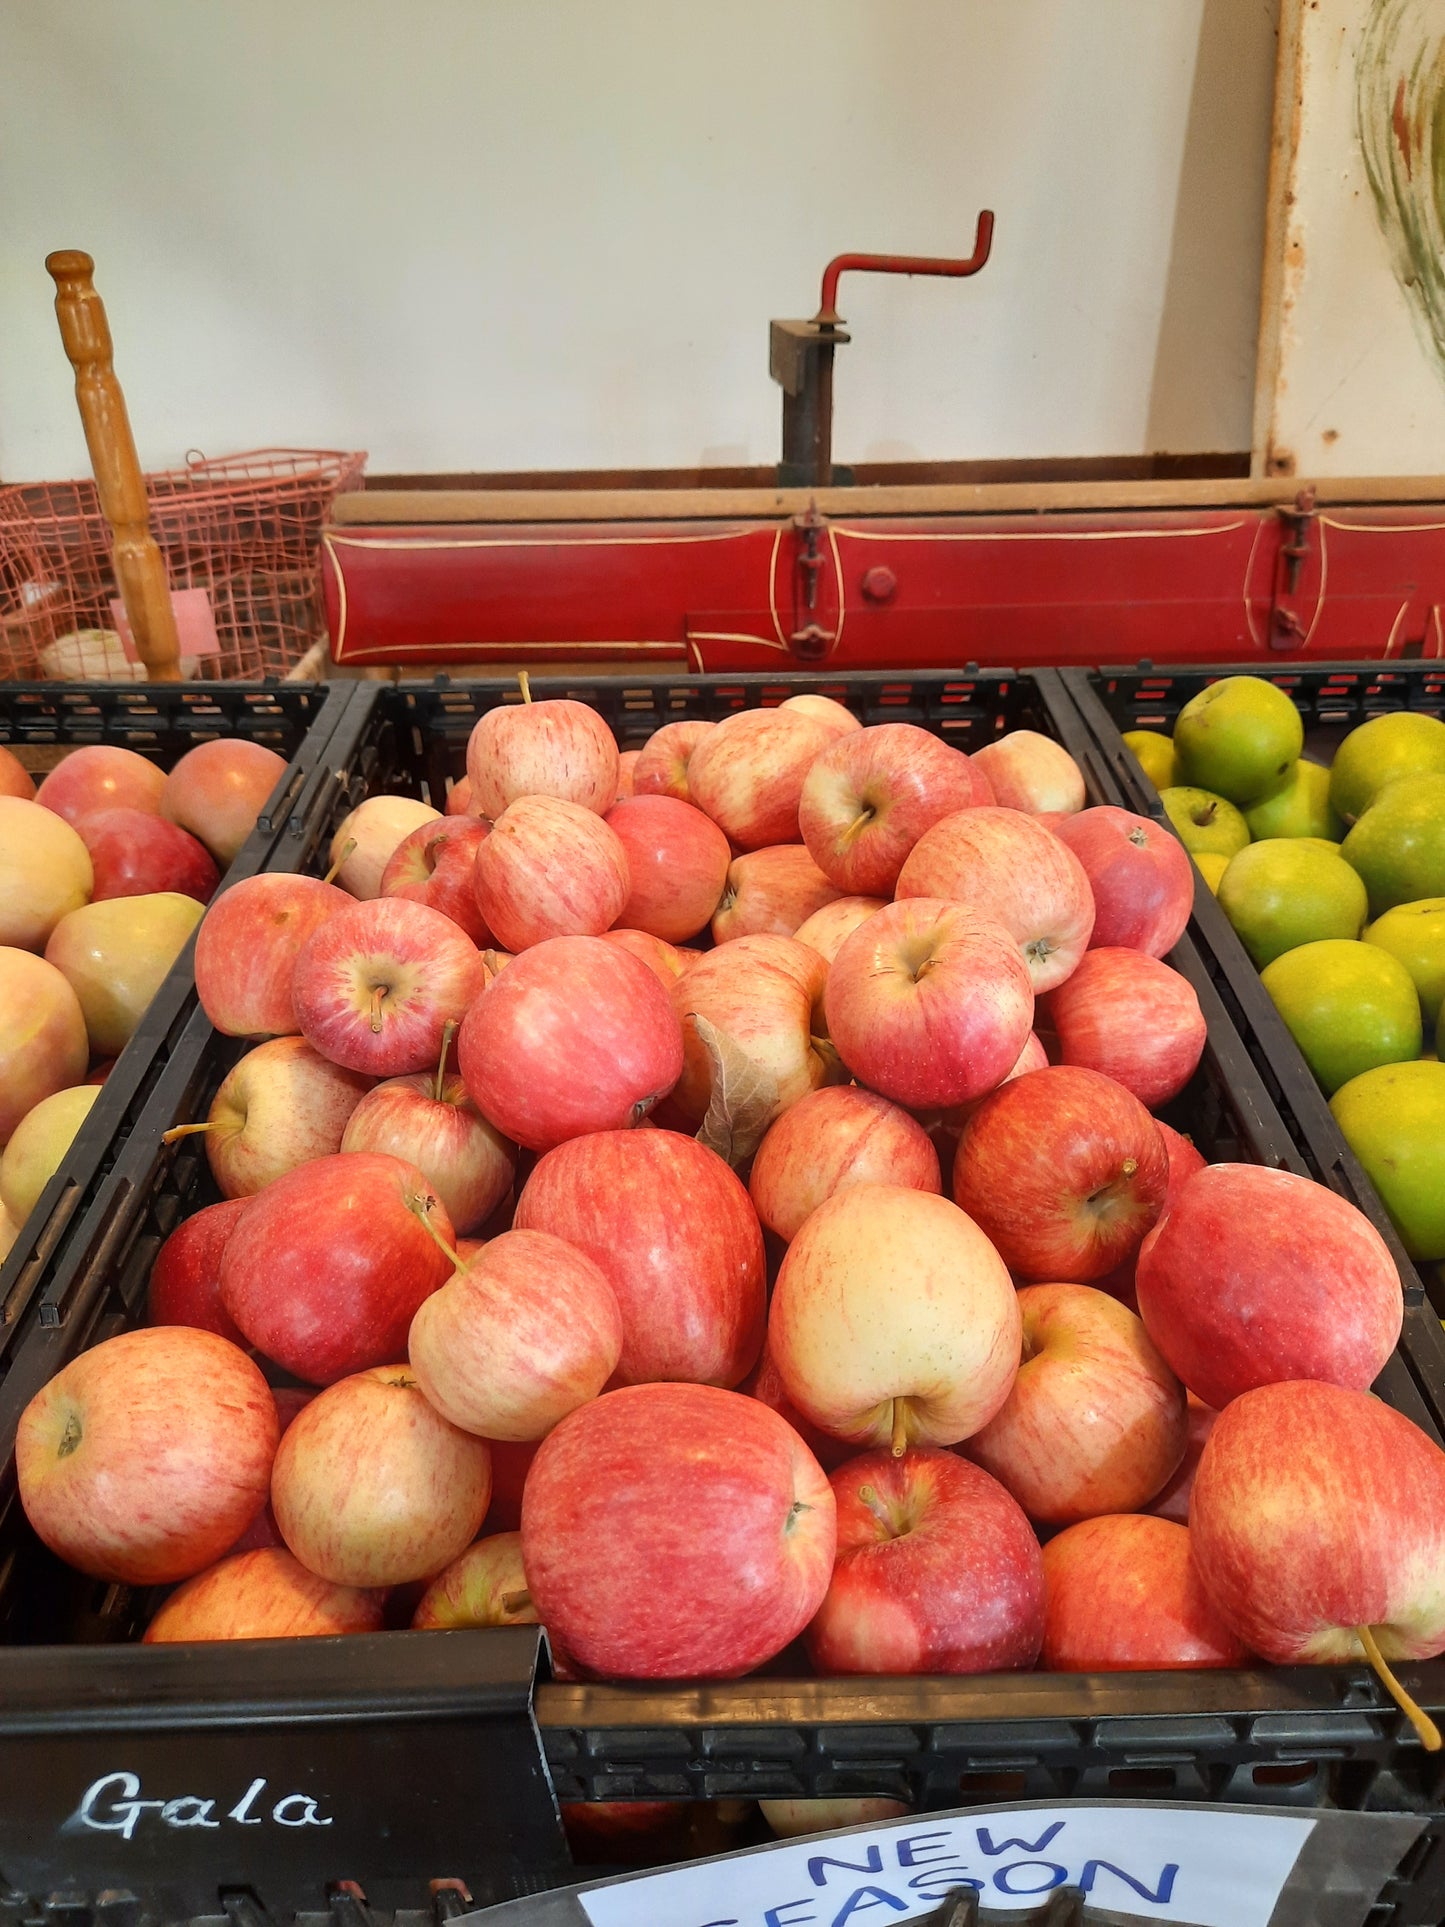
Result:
{"points": [[1286, 629], [809, 641]]}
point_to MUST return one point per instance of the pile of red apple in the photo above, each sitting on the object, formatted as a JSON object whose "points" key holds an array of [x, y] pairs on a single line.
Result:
{"points": [[777, 998]]}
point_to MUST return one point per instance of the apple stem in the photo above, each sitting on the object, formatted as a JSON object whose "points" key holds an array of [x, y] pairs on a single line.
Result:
{"points": [[183, 1130], [524, 682], [1129, 1167], [900, 1427], [347, 847], [868, 1496], [449, 1030], [1425, 1727], [418, 1210], [378, 991], [516, 1602]]}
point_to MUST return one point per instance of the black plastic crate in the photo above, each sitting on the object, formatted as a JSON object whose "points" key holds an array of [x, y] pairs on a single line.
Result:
{"points": [[1333, 699], [160, 721], [418, 1744]]}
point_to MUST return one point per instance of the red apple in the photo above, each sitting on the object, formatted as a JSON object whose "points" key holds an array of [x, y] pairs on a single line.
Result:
{"points": [[676, 1532], [101, 777], [557, 748], [748, 773], [435, 864], [264, 1594], [134, 853], [771, 891], [485, 1586], [45, 873], [574, 1036], [762, 999], [510, 1466], [1141, 876], [948, 1127], [662, 763], [1184, 1161], [829, 1140], [627, 773], [828, 929], [185, 1283], [247, 946], [1173, 1501], [893, 1320], [929, 1003], [550, 869], [1002, 865], [432, 1122], [15, 779], [674, 1233], [325, 1271], [764, 1384], [835, 717], [1031, 772], [677, 861], [870, 796], [1065, 1171], [281, 1105], [143, 1458], [459, 797], [218, 789], [1095, 1421], [43, 1045], [938, 1571], [1124, 1597], [664, 960], [375, 986], [263, 1531], [1253, 1275], [1131, 1017], [367, 839], [372, 1487]]}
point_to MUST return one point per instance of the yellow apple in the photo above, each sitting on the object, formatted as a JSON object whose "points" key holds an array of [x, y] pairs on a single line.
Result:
{"points": [[44, 872], [116, 955], [39, 1142]]}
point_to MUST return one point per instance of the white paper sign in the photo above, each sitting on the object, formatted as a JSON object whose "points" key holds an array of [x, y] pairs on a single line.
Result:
{"points": [[1206, 1868]]}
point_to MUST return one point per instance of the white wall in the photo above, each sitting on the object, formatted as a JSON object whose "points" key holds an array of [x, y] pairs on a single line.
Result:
{"points": [[550, 233]]}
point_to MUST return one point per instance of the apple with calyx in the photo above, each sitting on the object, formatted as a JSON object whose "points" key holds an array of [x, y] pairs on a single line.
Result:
{"points": [[485, 1586], [828, 929], [1131, 1018], [218, 789], [674, 1232], [1002, 865], [279, 1106], [573, 1036], [265, 1594], [144, 1458], [1065, 1171], [185, 1282], [435, 865], [938, 1571], [246, 950], [747, 774], [662, 762], [894, 1321], [664, 960], [134, 853], [676, 1532], [550, 869], [770, 892], [37, 1148], [1253, 1275], [1095, 1421], [829, 1140], [101, 776], [837, 719], [117, 954], [45, 872], [871, 795], [1140, 875], [557, 748], [373, 1487], [368, 838], [677, 863], [43, 1046], [1124, 1597], [15, 779], [752, 1013], [1173, 1501], [1032, 773]]}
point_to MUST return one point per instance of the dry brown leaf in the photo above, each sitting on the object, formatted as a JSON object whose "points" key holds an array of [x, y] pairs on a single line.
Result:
{"points": [[743, 1098]]}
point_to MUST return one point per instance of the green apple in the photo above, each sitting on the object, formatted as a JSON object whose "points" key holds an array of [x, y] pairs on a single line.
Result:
{"points": [[1415, 933], [1404, 743], [1154, 754], [1281, 893], [1299, 807], [1398, 845], [1240, 737], [1349, 1006], [1211, 865], [1393, 1119], [1205, 821], [1317, 843]]}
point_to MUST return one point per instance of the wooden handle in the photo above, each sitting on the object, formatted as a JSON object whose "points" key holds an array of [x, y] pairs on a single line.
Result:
{"points": [[140, 571]]}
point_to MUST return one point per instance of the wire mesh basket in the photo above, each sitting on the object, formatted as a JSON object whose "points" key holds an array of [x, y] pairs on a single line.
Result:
{"points": [[244, 528]]}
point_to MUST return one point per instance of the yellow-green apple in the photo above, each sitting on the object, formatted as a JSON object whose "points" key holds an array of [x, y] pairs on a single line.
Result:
{"points": [[45, 872], [1140, 875], [117, 955], [246, 950], [1288, 891], [550, 868], [770, 892], [1393, 1119], [1414, 934], [38, 1145], [367, 839], [662, 763], [373, 1487], [1239, 737], [1154, 753], [486, 1586], [573, 1036], [144, 1457], [15, 779], [325, 1270], [664, 960], [1351, 1007], [833, 1138], [376, 985], [433, 1123], [894, 1320], [1253, 1275], [676, 1532], [1131, 1017], [1318, 1511], [1002, 865], [185, 1281], [1124, 1597], [835, 717], [1206, 824], [929, 1002], [435, 865], [747, 774], [626, 773], [134, 853], [673, 1231], [43, 1046], [677, 864], [102, 777], [1031, 772], [763, 1000], [280, 1105], [1299, 807], [527, 1330], [1096, 1419], [557, 748], [763, 1383], [265, 1594], [1403, 743], [828, 929], [1065, 1171], [871, 795], [459, 797], [1398, 845], [938, 1571], [218, 789], [1173, 1501]]}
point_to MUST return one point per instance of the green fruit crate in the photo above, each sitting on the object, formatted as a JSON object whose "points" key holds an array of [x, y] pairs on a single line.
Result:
{"points": [[409, 1759]]}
